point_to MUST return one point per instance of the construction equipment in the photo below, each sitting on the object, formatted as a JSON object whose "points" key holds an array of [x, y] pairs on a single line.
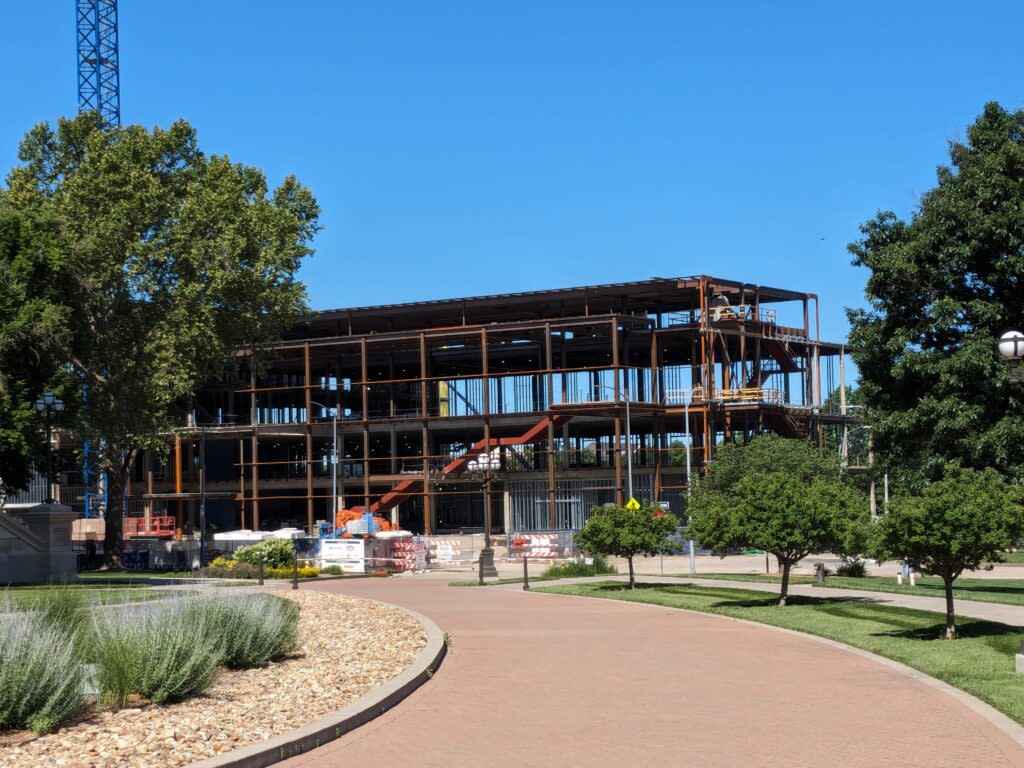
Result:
{"points": [[99, 74]]}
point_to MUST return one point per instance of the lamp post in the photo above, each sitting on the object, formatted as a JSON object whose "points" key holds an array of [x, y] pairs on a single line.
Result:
{"points": [[48, 406], [484, 468], [202, 497], [629, 439], [1011, 347], [334, 460], [686, 415]]}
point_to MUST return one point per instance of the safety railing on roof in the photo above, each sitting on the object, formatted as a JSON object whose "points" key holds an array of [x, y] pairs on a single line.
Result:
{"points": [[744, 312], [751, 395]]}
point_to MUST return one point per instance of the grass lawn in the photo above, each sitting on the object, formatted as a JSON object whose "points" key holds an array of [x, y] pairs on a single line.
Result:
{"points": [[121, 576], [99, 595], [489, 582], [981, 662], [1008, 591]]}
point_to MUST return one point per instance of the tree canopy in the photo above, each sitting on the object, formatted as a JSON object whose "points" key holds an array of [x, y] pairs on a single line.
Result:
{"points": [[779, 495], [30, 331], [622, 532], [166, 260], [960, 522], [943, 287]]}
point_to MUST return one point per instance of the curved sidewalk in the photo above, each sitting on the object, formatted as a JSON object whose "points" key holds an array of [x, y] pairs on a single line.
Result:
{"points": [[548, 680]]}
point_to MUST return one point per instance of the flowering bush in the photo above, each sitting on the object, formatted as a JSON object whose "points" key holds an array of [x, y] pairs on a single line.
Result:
{"points": [[287, 573], [273, 553]]}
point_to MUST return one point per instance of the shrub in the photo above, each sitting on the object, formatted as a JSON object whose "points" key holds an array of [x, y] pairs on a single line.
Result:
{"points": [[289, 572], [164, 652], [273, 553], [216, 572], [854, 567], [41, 672], [575, 569], [235, 571], [256, 628], [223, 562], [63, 607], [332, 570]]}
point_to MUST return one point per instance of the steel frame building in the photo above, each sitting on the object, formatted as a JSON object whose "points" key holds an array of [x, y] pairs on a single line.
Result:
{"points": [[541, 379]]}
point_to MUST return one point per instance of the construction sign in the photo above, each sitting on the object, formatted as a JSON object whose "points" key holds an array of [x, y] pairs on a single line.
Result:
{"points": [[632, 504]]}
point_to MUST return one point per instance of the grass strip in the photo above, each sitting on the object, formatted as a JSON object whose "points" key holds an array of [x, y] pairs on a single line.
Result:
{"points": [[28, 598], [1005, 591], [981, 662]]}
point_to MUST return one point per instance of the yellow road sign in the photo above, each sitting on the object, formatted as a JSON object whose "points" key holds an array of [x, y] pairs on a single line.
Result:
{"points": [[633, 504]]}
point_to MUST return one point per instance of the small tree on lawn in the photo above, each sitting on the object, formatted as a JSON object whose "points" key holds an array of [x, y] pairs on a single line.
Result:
{"points": [[781, 496], [961, 522], [621, 532]]}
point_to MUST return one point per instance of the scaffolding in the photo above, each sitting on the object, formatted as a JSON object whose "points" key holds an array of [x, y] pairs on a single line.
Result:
{"points": [[417, 390]]}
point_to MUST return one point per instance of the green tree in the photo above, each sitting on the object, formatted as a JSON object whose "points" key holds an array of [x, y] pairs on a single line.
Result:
{"points": [[621, 532], [779, 495], [30, 328], [942, 289], [960, 522], [168, 260]]}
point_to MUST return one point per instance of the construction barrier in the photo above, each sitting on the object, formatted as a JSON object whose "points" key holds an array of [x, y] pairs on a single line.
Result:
{"points": [[442, 550], [541, 544]]}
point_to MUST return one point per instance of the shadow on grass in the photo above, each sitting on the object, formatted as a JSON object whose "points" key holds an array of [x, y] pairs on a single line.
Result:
{"points": [[998, 636]]}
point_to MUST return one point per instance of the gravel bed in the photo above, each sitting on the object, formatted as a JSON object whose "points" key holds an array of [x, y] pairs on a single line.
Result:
{"points": [[347, 647]]}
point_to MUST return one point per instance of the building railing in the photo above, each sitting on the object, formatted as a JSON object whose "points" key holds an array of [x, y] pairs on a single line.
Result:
{"points": [[743, 312], [751, 395], [151, 526]]}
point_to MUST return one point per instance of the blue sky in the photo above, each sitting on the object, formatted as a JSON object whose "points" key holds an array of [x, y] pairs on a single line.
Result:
{"points": [[460, 148]]}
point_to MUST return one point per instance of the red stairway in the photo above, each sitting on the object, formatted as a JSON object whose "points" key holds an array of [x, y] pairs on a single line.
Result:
{"points": [[457, 466]]}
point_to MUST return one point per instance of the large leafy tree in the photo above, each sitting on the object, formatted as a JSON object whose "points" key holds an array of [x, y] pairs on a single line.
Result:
{"points": [[623, 532], [942, 289], [779, 495], [960, 522], [168, 261], [31, 328]]}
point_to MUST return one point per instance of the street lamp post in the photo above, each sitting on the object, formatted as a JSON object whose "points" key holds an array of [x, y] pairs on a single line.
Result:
{"points": [[202, 497], [48, 406], [484, 468], [686, 415], [1011, 347]]}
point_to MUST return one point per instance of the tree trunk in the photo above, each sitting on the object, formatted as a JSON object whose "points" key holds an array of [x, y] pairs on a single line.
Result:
{"points": [[113, 537], [118, 467], [784, 594], [632, 578], [947, 582]]}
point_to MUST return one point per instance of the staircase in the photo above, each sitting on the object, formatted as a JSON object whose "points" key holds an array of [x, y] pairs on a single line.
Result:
{"points": [[784, 424], [414, 485]]}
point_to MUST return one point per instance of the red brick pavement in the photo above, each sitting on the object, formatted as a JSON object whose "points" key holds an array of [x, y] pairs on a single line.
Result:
{"points": [[548, 680]]}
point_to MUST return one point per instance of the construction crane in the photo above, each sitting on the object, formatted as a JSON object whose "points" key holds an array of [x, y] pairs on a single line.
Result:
{"points": [[99, 77], [99, 90]]}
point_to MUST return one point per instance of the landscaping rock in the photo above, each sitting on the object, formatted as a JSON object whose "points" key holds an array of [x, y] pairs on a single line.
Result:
{"points": [[347, 647]]}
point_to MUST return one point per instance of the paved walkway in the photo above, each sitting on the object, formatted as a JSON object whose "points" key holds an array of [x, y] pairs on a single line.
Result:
{"points": [[1000, 612], [549, 680]]}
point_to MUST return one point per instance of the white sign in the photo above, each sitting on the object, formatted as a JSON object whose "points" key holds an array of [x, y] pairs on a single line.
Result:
{"points": [[349, 554]]}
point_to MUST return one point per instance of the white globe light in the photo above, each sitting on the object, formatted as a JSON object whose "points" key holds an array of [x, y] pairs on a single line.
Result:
{"points": [[473, 465], [1011, 345]]}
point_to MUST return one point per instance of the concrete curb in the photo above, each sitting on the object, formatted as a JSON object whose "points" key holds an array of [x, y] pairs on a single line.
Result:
{"points": [[1009, 727], [337, 724]]}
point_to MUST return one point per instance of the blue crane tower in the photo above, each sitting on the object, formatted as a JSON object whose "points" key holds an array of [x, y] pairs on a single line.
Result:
{"points": [[99, 81], [99, 90]]}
